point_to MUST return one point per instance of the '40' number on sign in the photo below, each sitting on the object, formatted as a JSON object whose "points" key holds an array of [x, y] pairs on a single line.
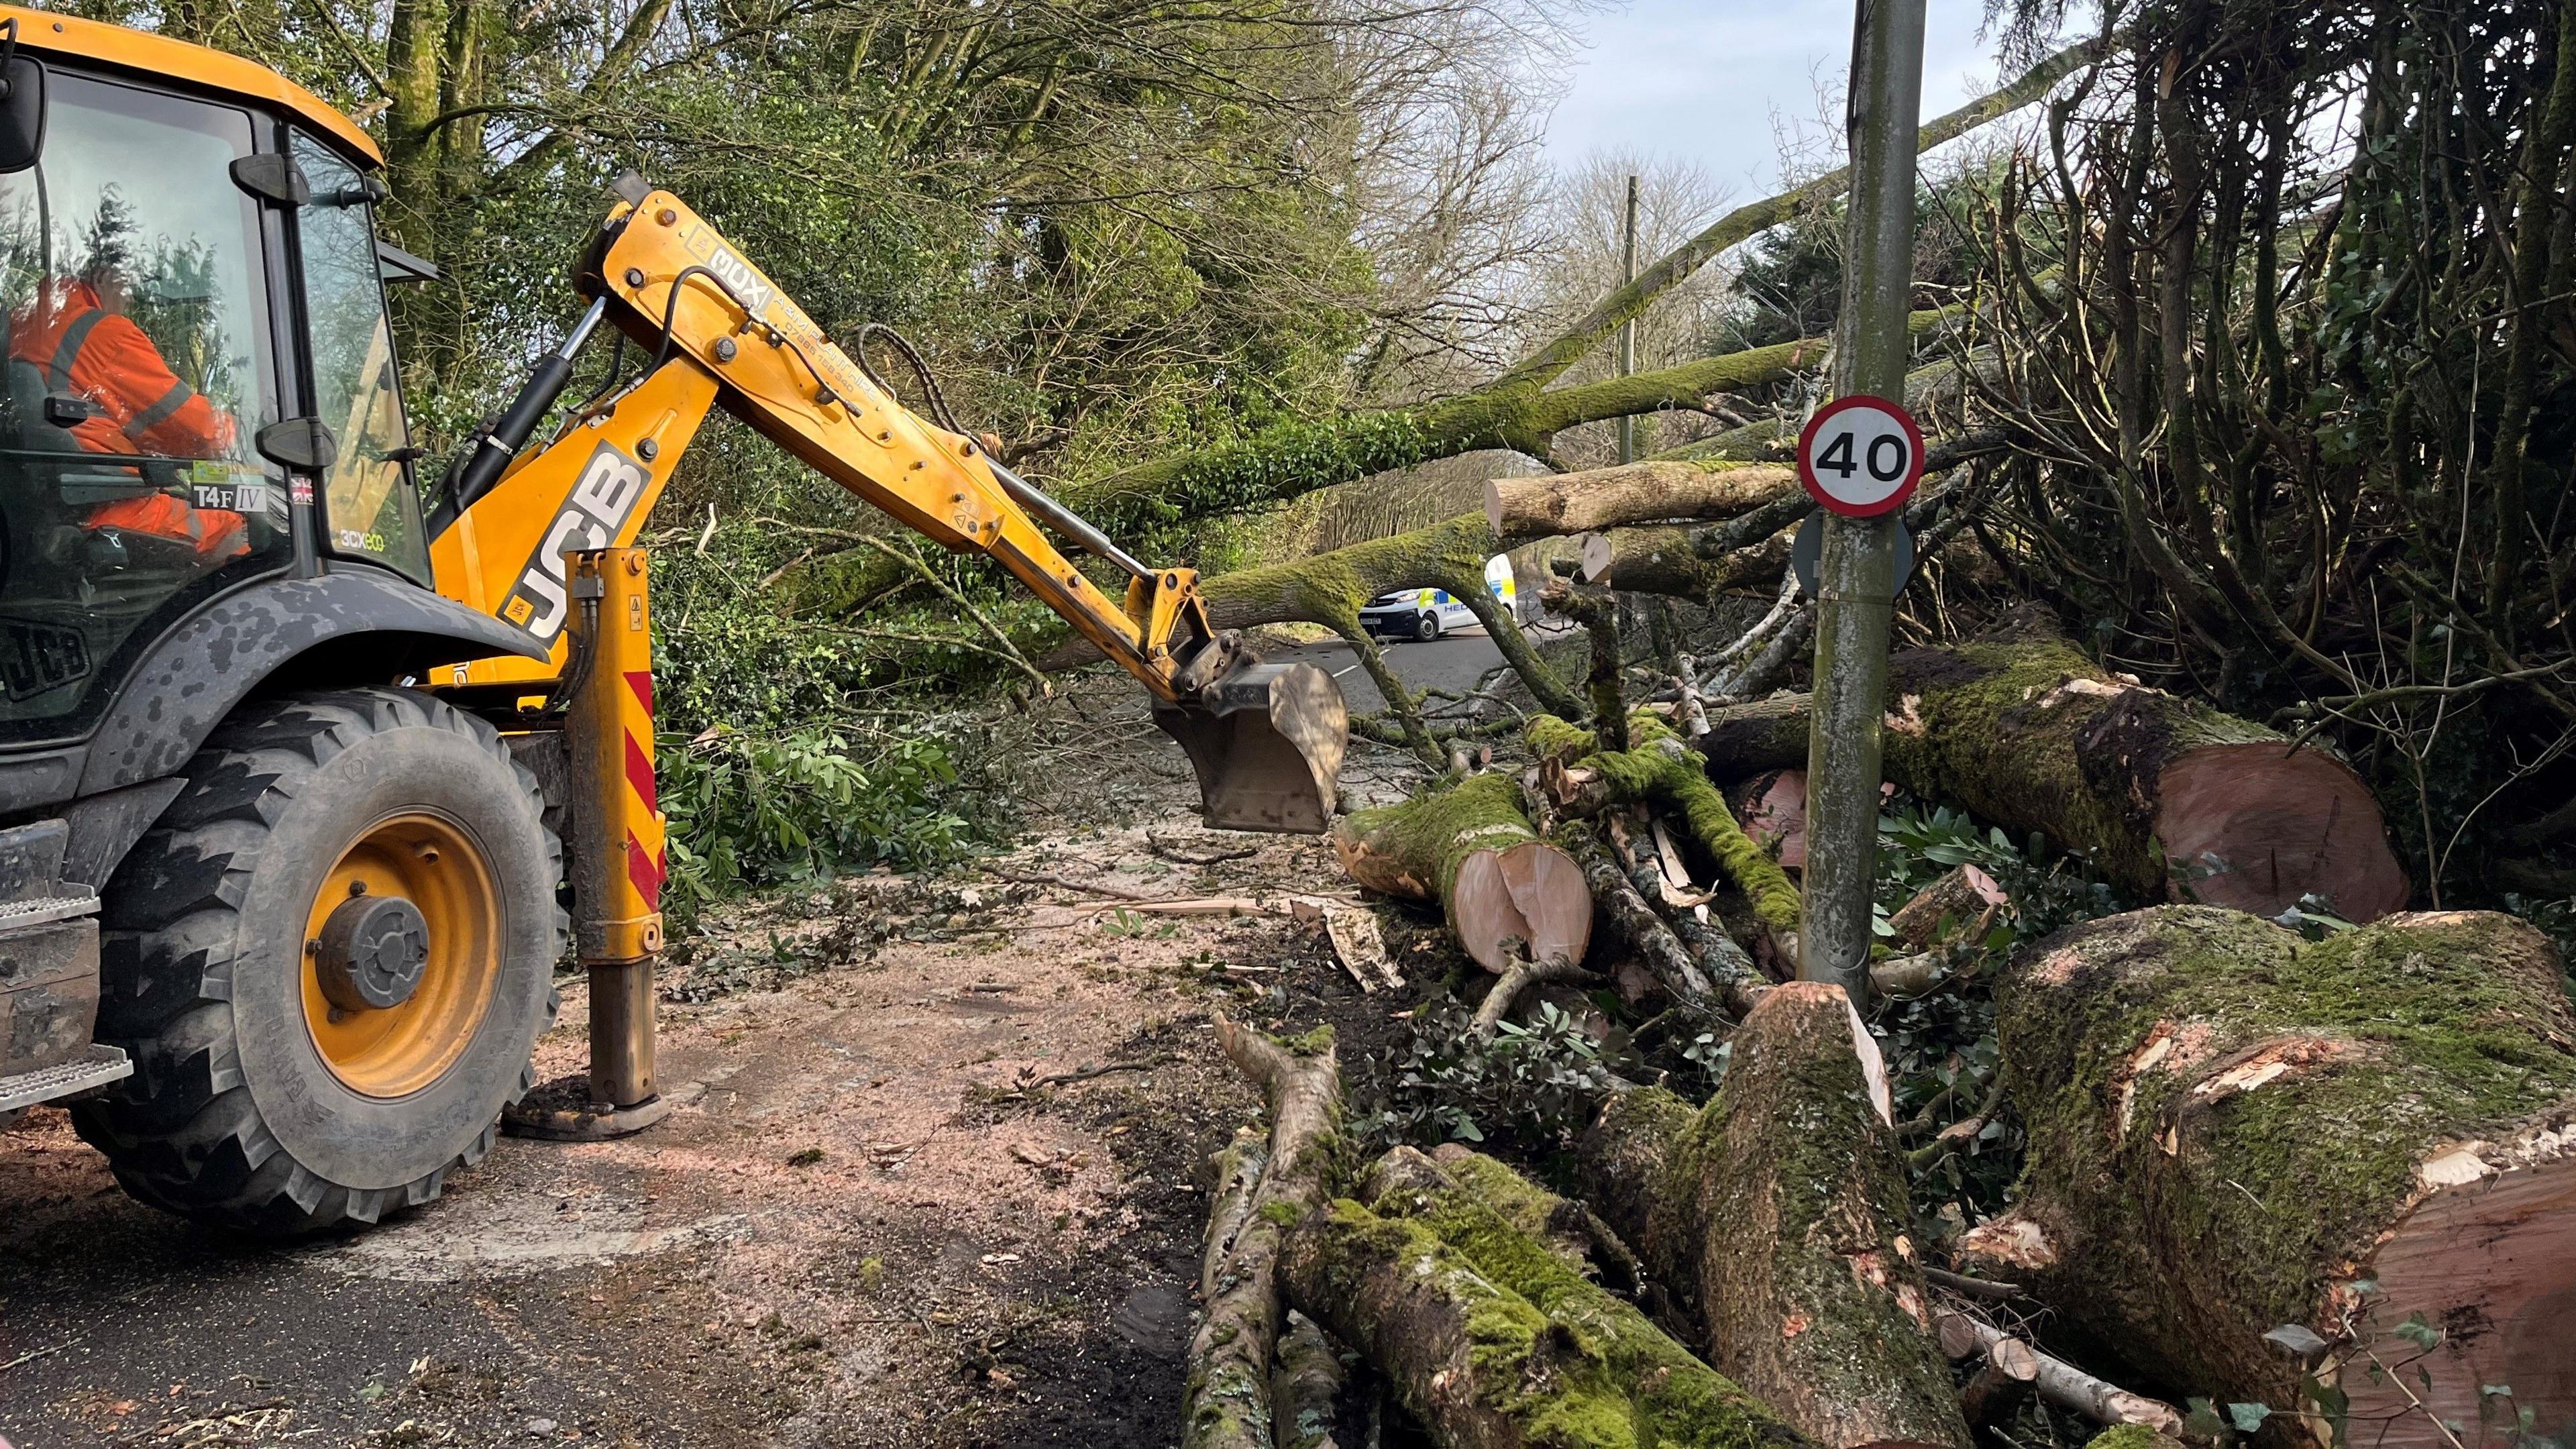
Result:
{"points": [[1860, 456]]}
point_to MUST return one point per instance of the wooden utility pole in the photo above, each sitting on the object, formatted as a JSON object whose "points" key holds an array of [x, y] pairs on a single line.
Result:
{"points": [[1856, 574], [1628, 329]]}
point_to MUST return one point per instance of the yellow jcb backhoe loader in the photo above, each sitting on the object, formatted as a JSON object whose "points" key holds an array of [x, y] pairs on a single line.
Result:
{"points": [[286, 749]]}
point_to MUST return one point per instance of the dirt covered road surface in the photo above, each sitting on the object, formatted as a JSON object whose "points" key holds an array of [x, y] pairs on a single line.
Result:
{"points": [[944, 1186]]}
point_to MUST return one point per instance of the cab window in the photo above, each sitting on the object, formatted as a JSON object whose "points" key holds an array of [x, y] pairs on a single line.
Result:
{"points": [[368, 506], [138, 376]]}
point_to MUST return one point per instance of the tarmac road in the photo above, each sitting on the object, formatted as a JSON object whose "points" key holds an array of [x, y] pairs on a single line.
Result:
{"points": [[1454, 661]]}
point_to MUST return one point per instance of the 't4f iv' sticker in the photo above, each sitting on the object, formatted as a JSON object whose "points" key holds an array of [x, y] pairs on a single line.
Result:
{"points": [[611, 485]]}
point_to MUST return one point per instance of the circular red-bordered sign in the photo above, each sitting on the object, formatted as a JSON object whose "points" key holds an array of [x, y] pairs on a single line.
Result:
{"points": [[1861, 456]]}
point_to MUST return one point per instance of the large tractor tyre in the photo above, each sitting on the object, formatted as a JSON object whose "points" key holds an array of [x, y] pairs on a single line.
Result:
{"points": [[330, 960]]}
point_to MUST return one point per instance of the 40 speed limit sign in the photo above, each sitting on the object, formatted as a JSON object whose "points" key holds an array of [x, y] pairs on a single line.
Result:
{"points": [[1861, 456]]}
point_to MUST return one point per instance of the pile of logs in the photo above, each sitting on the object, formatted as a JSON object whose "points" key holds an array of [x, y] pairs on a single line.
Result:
{"points": [[2327, 1186], [2263, 1171]]}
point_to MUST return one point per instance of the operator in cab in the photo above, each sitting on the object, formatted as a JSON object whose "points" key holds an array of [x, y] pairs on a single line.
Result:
{"points": [[77, 332]]}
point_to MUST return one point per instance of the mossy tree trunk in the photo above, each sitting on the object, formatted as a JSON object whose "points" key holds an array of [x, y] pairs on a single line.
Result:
{"points": [[1782, 1209], [1467, 1357], [1509, 1231], [2165, 794], [2232, 1128], [1226, 1400], [1470, 846]]}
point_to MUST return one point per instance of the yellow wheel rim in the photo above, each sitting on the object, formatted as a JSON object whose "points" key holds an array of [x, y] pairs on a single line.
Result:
{"points": [[399, 1049]]}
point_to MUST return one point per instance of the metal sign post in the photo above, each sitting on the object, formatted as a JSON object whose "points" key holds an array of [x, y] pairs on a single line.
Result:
{"points": [[1856, 575]]}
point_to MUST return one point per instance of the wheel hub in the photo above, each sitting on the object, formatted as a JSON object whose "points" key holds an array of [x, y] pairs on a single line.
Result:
{"points": [[372, 953]]}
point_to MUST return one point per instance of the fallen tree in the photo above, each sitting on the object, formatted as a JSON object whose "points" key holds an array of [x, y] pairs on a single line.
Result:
{"points": [[1506, 893], [1226, 1401], [1779, 1209], [2233, 1129], [1481, 1211], [1582, 780], [2164, 794], [1520, 509]]}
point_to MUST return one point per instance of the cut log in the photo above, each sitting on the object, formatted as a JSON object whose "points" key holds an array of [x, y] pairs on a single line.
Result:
{"points": [[1676, 1398], [1462, 1354], [2001, 1385], [1664, 561], [2169, 797], [1471, 848], [1225, 1403], [2234, 1129], [1781, 1205], [1520, 509], [1959, 898]]}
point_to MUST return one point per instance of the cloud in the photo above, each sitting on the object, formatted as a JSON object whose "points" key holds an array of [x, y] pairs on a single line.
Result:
{"points": [[1703, 79]]}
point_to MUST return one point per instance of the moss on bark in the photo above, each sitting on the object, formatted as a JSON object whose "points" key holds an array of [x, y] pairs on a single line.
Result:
{"points": [[1413, 848], [1660, 769], [2225, 1119], [1782, 1203], [1331, 589], [1462, 1352], [1677, 1398], [2024, 731], [1666, 560]]}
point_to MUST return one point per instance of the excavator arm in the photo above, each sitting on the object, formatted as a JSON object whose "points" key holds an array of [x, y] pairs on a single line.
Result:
{"points": [[1266, 740]]}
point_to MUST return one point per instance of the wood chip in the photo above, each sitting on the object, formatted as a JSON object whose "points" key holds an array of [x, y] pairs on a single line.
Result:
{"points": [[1360, 947]]}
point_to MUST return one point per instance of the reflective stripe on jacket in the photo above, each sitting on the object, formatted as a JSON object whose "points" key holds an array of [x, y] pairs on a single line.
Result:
{"points": [[86, 351]]}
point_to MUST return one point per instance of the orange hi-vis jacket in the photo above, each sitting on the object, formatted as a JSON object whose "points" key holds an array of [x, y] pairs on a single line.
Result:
{"points": [[85, 350]]}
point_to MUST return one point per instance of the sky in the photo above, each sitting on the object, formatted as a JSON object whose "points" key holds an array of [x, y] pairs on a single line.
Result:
{"points": [[1701, 80]]}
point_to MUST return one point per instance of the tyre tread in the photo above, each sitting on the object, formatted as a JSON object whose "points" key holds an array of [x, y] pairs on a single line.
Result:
{"points": [[182, 1133]]}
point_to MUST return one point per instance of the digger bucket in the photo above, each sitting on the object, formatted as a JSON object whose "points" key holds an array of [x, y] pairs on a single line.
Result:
{"points": [[1267, 742]]}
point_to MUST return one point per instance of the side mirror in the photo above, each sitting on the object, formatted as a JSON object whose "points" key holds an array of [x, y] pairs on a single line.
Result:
{"points": [[22, 110]]}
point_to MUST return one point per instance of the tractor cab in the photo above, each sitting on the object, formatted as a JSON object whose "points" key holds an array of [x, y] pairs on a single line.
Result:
{"points": [[196, 350]]}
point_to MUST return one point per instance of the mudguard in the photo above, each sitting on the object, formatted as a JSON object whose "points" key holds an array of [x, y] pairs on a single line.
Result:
{"points": [[353, 625]]}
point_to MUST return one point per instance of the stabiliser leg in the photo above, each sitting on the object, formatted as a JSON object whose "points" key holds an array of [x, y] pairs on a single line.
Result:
{"points": [[615, 830]]}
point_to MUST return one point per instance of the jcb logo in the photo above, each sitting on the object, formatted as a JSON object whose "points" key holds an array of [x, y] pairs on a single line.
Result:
{"points": [[600, 504]]}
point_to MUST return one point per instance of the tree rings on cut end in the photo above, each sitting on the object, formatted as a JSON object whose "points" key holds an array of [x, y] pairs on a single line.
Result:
{"points": [[1529, 894], [2488, 1258], [2250, 827]]}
